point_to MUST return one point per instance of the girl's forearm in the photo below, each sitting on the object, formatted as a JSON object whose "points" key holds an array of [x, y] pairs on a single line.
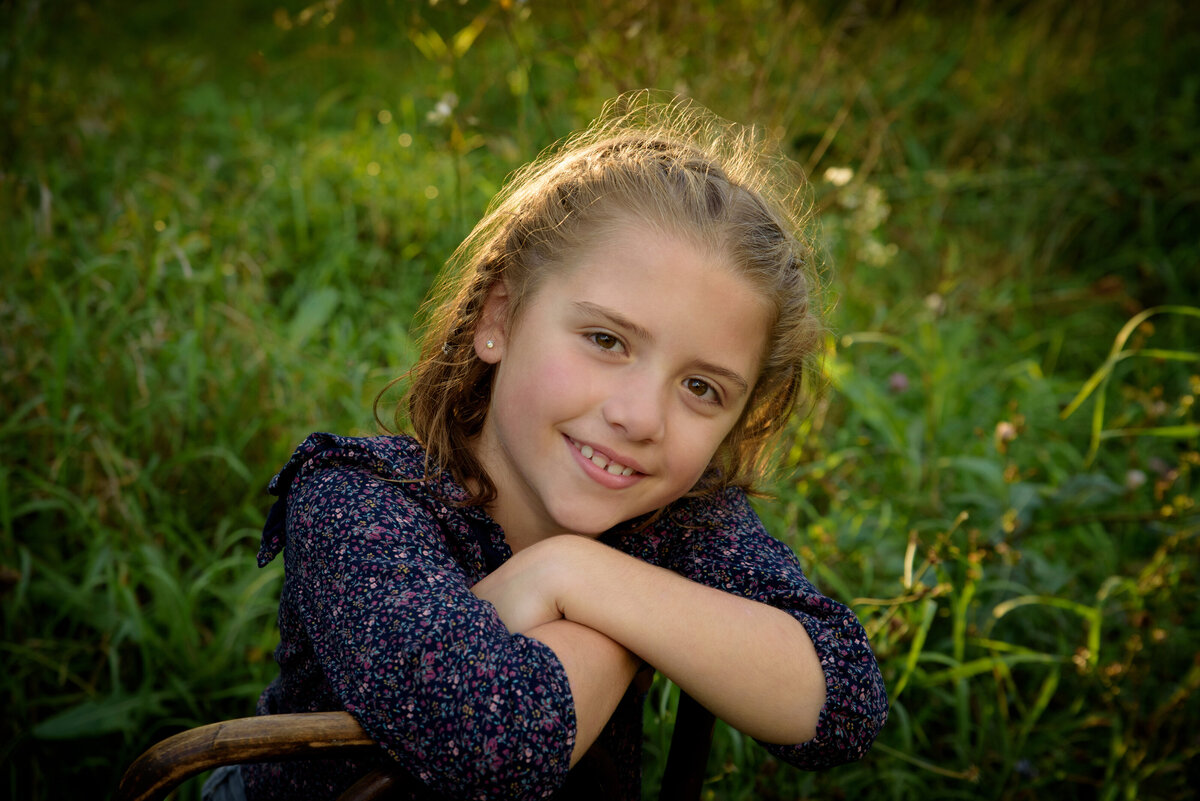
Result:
{"points": [[752, 665], [598, 669]]}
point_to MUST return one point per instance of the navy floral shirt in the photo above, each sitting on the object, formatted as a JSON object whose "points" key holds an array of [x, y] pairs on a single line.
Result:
{"points": [[377, 618]]}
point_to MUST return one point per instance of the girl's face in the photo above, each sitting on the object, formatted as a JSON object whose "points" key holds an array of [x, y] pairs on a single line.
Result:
{"points": [[613, 389]]}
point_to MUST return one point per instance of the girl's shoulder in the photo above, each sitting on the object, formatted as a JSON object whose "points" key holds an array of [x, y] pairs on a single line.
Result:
{"points": [[393, 458], [360, 463], [717, 519], [728, 509]]}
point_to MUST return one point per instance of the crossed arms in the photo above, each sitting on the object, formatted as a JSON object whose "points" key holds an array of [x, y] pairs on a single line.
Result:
{"points": [[600, 610]]}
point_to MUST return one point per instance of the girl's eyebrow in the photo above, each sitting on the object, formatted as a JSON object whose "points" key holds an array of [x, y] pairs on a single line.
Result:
{"points": [[619, 320], [616, 318], [739, 383]]}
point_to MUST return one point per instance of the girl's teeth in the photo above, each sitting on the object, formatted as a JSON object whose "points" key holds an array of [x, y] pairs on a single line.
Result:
{"points": [[615, 469]]}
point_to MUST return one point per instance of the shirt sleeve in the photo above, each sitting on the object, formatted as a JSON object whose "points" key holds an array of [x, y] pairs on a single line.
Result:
{"points": [[427, 669], [722, 543]]}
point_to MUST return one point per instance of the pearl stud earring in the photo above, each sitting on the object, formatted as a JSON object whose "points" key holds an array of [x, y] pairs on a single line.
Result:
{"points": [[490, 344]]}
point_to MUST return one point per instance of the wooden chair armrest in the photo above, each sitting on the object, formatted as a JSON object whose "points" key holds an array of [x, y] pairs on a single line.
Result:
{"points": [[273, 738], [269, 738]]}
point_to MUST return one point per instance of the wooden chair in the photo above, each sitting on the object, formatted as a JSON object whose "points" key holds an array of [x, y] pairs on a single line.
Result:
{"points": [[273, 738]]}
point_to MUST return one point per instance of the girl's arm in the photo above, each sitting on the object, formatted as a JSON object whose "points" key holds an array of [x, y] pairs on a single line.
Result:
{"points": [[598, 668], [713, 615], [374, 599], [751, 664], [599, 671], [720, 542]]}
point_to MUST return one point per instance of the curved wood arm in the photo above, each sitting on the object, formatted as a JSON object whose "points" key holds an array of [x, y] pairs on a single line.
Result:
{"points": [[273, 738], [269, 738]]}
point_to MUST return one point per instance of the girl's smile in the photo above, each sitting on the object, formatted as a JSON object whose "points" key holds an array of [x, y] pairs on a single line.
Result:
{"points": [[616, 382], [606, 470]]}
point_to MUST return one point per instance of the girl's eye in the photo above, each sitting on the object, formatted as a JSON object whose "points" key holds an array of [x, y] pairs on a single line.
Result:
{"points": [[605, 341], [702, 390]]}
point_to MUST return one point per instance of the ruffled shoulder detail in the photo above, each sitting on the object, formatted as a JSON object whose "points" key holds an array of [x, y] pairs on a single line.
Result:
{"points": [[399, 458]]}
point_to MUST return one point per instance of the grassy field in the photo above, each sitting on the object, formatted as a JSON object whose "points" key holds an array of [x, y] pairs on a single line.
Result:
{"points": [[216, 224]]}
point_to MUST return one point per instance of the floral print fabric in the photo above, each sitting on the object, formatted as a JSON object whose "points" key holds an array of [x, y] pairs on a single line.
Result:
{"points": [[377, 618]]}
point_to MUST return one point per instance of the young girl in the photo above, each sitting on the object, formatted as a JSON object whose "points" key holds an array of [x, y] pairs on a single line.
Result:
{"points": [[610, 355]]}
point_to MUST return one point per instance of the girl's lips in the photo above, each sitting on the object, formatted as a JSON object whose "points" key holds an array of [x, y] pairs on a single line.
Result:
{"points": [[605, 471]]}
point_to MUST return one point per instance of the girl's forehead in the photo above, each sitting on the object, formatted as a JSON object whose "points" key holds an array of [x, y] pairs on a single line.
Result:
{"points": [[671, 289], [672, 261]]}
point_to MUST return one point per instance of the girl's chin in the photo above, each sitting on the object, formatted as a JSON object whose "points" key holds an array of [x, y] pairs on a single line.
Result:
{"points": [[595, 530], [592, 526], [589, 528]]}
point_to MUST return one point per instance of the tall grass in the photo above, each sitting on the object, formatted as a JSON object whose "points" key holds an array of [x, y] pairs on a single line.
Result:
{"points": [[217, 224]]}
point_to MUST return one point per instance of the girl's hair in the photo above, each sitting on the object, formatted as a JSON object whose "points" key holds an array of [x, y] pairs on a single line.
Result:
{"points": [[674, 166]]}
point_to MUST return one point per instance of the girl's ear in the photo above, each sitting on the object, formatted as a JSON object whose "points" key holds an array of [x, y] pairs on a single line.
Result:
{"points": [[492, 330]]}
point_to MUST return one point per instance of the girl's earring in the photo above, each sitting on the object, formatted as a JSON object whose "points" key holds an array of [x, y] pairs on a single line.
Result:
{"points": [[490, 344]]}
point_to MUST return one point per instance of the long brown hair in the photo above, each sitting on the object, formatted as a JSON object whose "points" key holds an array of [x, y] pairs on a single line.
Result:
{"points": [[675, 165]]}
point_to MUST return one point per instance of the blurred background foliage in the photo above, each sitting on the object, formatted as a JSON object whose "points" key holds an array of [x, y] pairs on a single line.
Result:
{"points": [[217, 222]]}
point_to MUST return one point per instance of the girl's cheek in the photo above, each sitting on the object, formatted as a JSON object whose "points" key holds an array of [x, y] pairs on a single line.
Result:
{"points": [[550, 381]]}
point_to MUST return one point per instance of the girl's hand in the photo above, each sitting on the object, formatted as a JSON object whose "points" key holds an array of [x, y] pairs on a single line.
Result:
{"points": [[525, 591], [521, 590]]}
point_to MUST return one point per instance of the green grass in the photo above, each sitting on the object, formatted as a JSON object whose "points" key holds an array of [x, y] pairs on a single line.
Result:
{"points": [[217, 224]]}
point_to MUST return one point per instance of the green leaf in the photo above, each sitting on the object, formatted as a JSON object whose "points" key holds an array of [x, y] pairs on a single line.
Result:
{"points": [[1098, 381], [928, 611], [1175, 432], [466, 37], [313, 313], [1087, 489], [987, 665], [117, 713], [431, 45]]}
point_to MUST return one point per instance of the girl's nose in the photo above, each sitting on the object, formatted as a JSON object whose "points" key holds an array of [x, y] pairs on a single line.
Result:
{"points": [[637, 406]]}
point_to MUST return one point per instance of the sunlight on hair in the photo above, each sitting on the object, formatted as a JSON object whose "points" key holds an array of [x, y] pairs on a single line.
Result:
{"points": [[666, 162]]}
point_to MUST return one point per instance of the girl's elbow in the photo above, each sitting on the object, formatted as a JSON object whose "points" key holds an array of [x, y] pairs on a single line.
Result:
{"points": [[860, 714], [844, 728], [802, 722], [807, 704]]}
